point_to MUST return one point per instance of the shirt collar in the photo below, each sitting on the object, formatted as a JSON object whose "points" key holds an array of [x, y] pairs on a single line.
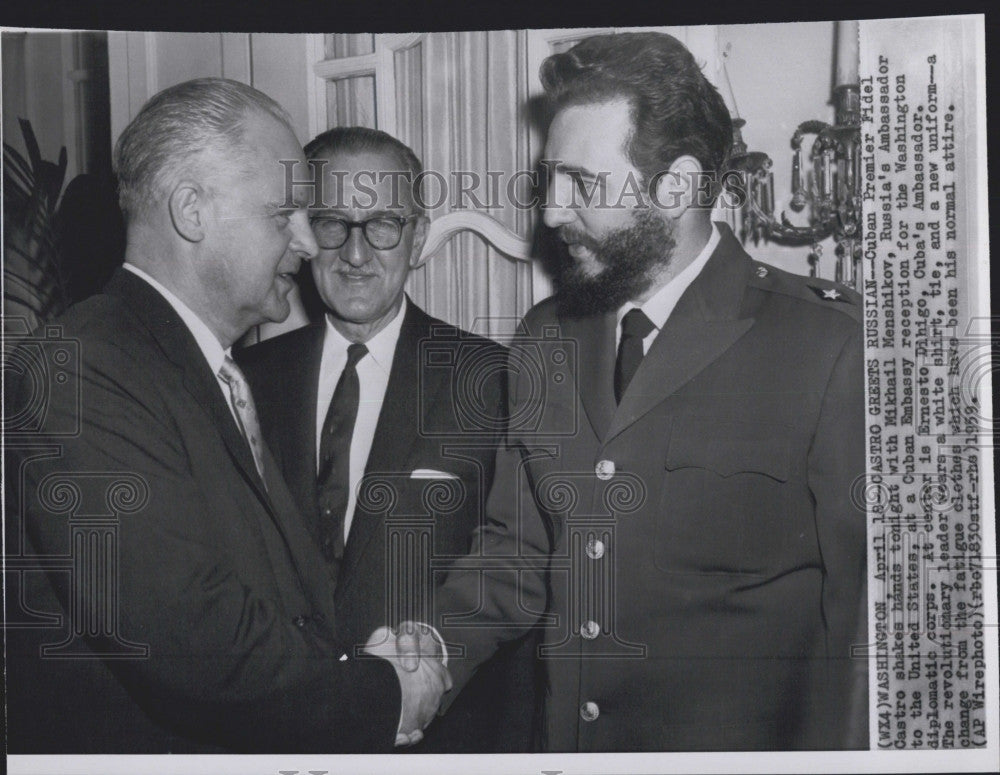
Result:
{"points": [[382, 346], [210, 347], [660, 305]]}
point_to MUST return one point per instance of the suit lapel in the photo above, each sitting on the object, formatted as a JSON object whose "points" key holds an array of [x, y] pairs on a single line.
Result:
{"points": [[396, 433], [310, 569], [180, 347], [295, 393], [594, 339], [705, 323], [291, 485], [399, 419]]}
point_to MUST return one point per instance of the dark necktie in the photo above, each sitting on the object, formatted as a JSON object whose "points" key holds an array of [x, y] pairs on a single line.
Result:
{"points": [[333, 481], [635, 327]]}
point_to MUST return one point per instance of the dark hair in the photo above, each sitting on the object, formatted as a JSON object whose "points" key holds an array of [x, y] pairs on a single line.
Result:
{"points": [[361, 139], [176, 127], [674, 109]]}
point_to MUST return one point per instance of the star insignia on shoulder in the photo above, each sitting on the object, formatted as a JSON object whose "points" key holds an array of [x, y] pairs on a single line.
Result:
{"points": [[830, 294]]}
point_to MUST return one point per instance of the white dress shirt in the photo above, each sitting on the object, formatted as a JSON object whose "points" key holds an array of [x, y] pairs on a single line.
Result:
{"points": [[210, 347], [373, 379], [659, 306]]}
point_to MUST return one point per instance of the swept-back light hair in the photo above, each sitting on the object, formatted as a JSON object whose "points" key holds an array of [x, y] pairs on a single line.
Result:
{"points": [[178, 130]]}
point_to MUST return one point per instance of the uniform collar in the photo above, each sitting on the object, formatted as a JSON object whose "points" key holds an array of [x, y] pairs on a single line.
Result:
{"points": [[662, 303]]}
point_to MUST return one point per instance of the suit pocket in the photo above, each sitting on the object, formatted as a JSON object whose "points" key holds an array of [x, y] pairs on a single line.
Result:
{"points": [[724, 502]]}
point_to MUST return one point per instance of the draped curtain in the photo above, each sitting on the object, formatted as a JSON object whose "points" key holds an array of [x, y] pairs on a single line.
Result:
{"points": [[457, 99]]}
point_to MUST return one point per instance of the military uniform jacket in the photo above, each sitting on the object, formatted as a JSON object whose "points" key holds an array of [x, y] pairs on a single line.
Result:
{"points": [[693, 555]]}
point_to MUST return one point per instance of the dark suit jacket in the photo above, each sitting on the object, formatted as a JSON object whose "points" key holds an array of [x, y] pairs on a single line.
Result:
{"points": [[443, 411], [198, 585], [724, 594]]}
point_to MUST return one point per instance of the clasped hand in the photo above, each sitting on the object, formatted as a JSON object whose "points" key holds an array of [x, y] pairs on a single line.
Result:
{"points": [[421, 667]]}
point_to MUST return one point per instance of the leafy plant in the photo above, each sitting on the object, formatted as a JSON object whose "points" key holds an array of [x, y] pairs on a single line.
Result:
{"points": [[34, 279]]}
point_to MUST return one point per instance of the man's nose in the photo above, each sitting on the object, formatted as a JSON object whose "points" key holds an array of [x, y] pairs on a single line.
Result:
{"points": [[303, 240], [557, 210], [356, 251]]}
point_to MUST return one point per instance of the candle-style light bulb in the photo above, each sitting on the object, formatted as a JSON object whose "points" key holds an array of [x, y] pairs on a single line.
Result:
{"points": [[847, 53], [798, 202]]}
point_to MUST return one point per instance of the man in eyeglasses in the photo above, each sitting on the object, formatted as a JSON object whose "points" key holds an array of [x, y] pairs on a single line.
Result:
{"points": [[184, 605], [371, 430]]}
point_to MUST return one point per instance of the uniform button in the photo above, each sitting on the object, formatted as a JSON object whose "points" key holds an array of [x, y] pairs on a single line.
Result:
{"points": [[595, 548], [605, 469], [328, 548], [300, 622], [590, 630], [589, 711]]}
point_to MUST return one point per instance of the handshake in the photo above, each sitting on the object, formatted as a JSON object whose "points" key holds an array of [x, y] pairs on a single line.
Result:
{"points": [[422, 669]]}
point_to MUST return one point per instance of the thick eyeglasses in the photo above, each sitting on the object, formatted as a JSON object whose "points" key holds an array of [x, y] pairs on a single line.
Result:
{"points": [[383, 232]]}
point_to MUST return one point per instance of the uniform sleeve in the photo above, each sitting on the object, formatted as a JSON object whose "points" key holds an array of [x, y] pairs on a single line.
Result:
{"points": [[498, 591]]}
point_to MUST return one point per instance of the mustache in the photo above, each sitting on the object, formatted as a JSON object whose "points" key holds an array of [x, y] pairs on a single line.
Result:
{"points": [[570, 235]]}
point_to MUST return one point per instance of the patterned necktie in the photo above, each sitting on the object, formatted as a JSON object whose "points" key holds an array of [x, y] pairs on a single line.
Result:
{"points": [[246, 412], [333, 481], [635, 327]]}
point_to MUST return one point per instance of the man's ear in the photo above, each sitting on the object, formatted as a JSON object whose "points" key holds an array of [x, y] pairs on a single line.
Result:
{"points": [[677, 190], [187, 210], [420, 226]]}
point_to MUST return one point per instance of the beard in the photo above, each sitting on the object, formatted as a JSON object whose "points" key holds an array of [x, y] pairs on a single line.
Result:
{"points": [[631, 256]]}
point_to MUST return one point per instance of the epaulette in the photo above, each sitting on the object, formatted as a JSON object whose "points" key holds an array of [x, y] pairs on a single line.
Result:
{"points": [[815, 290]]}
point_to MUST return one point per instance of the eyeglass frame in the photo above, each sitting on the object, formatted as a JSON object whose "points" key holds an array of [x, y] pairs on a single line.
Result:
{"points": [[402, 220]]}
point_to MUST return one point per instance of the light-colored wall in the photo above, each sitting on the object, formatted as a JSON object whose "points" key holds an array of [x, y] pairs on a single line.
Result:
{"points": [[58, 82], [14, 90], [34, 76], [782, 75], [143, 63], [280, 69]]}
